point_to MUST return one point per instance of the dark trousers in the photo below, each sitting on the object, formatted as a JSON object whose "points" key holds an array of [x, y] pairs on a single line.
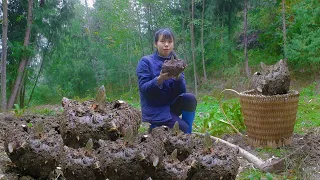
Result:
{"points": [[184, 102]]}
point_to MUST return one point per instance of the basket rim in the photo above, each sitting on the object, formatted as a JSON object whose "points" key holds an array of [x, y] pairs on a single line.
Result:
{"points": [[247, 94]]}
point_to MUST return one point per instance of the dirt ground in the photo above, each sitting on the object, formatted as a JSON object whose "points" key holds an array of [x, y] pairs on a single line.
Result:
{"points": [[31, 144], [303, 165]]}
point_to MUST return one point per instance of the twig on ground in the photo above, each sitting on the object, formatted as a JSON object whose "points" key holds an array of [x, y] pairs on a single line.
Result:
{"points": [[273, 166], [58, 176]]}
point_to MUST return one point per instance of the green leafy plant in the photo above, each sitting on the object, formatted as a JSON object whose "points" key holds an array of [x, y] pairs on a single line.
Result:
{"points": [[254, 174], [251, 174], [18, 111], [254, 177], [143, 129], [45, 111], [269, 176], [211, 117], [233, 115], [29, 125]]}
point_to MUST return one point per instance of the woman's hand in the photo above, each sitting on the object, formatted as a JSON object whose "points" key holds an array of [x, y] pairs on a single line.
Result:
{"points": [[165, 76], [162, 77], [179, 75]]}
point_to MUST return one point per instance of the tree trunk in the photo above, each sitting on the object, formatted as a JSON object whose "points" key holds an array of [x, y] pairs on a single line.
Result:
{"points": [[24, 60], [35, 84], [184, 51], [87, 17], [222, 34], [229, 21], [149, 19], [284, 29], [4, 55], [22, 93], [129, 71], [202, 45], [40, 70], [138, 23], [93, 59], [193, 50], [229, 31], [222, 24], [246, 40]]}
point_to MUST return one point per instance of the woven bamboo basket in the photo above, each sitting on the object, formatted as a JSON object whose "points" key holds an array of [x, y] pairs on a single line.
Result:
{"points": [[269, 119]]}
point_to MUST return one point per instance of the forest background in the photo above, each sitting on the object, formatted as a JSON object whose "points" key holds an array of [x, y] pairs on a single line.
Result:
{"points": [[68, 48]]}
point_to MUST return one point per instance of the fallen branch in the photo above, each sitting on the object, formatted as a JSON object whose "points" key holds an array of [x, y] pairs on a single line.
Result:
{"points": [[266, 166]]}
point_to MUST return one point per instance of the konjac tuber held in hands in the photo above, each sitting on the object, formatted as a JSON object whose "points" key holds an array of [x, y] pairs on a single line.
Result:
{"points": [[173, 66]]}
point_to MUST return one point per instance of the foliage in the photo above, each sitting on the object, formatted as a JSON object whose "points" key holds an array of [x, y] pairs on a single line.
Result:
{"points": [[276, 152], [143, 129], [84, 99], [308, 109], [210, 118], [47, 21], [44, 111], [254, 174], [233, 112], [309, 90], [18, 111], [29, 125], [304, 34], [83, 48], [45, 94], [18, 50]]}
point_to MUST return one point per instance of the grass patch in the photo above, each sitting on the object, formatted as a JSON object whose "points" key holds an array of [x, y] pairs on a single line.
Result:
{"points": [[255, 174], [210, 118], [134, 103], [44, 111], [308, 113], [278, 152]]}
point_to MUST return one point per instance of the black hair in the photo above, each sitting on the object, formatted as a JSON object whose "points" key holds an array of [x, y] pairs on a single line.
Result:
{"points": [[165, 32]]}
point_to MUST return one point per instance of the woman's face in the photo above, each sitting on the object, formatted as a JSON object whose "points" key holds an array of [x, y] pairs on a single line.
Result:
{"points": [[164, 46]]}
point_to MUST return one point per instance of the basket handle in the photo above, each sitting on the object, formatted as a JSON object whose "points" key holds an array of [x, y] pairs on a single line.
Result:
{"points": [[230, 90], [220, 104]]}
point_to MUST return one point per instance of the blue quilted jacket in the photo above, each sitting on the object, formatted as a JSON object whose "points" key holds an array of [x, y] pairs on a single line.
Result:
{"points": [[156, 100]]}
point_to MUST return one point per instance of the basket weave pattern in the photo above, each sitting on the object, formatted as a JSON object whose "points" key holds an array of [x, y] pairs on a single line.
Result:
{"points": [[269, 119]]}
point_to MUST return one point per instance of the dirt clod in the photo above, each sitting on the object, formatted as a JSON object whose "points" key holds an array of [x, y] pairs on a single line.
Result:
{"points": [[272, 80], [33, 154], [37, 151], [78, 164], [82, 121], [173, 67]]}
